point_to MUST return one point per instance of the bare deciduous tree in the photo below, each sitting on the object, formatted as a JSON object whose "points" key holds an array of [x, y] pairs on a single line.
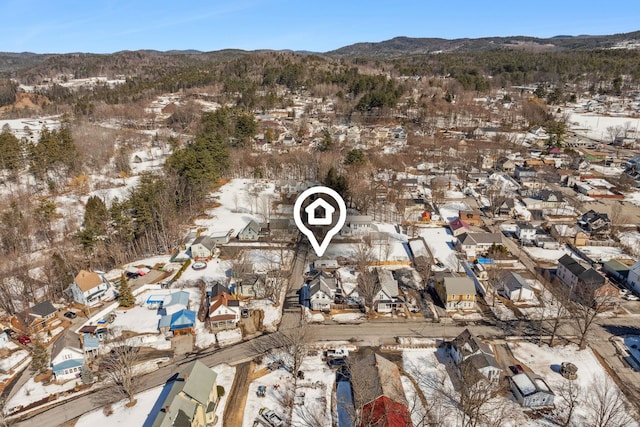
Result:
{"points": [[122, 380], [290, 345], [606, 405], [569, 393]]}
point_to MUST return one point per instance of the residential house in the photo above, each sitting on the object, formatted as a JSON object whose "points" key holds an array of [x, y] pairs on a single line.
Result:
{"points": [[617, 269], [224, 311], [531, 391], [597, 224], [456, 293], [387, 299], [545, 241], [202, 247], [250, 232], [458, 227], [507, 208], [249, 285], [67, 357], [552, 199], [325, 264], [467, 351], [221, 237], [356, 224], [523, 173], [192, 399], [89, 287], [525, 232], [571, 234], [586, 283], [478, 243], [382, 401], [90, 345], [181, 322], [323, 288], [633, 278], [514, 287], [505, 164], [40, 317], [471, 217]]}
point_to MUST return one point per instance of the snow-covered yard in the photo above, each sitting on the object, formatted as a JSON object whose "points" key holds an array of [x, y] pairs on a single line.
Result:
{"points": [[602, 253], [547, 255], [451, 211], [33, 391], [441, 244]]}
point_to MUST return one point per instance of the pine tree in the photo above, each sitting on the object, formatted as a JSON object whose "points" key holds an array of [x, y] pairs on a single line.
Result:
{"points": [[125, 298], [86, 376], [39, 358]]}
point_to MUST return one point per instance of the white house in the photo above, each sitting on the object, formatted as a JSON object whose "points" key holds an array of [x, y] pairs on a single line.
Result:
{"points": [[634, 276], [467, 349], [224, 311], [356, 224], [531, 391], [67, 356], [525, 232], [387, 299], [250, 232], [4, 339], [514, 287], [202, 247], [89, 287], [322, 291]]}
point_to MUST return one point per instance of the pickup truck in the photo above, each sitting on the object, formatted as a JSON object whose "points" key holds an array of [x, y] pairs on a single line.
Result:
{"points": [[271, 417], [336, 353]]}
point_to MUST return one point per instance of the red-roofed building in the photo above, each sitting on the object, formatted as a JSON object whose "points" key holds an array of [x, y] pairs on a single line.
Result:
{"points": [[459, 227], [384, 412], [224, 311]]}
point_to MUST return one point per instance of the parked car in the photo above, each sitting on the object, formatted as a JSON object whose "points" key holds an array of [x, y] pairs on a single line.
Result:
{"points": [[244, 313], [271, 417], [516, 369], [132, 275], [337, 353], [70, 315], [24, 340], [631, 297]]}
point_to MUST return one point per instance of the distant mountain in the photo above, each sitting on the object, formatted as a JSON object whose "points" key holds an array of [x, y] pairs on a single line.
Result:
{"points": [[400, 46]]}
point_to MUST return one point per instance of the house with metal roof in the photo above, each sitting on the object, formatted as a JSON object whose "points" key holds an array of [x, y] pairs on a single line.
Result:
{"points": [[202, 247], [322, 291], [250, 232], [181, 322], [192, 398], [514, 287]]}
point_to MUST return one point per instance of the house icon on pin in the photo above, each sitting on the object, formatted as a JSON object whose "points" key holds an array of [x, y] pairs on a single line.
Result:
{"points": [[314, 215]]}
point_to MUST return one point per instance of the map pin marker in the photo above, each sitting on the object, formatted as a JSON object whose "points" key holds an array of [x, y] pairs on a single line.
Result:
{"points": [[325, 220]]}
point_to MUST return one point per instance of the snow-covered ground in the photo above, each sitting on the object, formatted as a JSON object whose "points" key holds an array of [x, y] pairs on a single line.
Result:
{"points": [[548, 255], [545, 361], [441, 243], [451, 211], [241, 200], [311, 395], [602, 253], [272, 313], [595, 126], [33, 391]]}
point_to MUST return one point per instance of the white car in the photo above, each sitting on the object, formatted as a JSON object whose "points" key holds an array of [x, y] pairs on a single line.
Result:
{"points": [[271, 417], [631, 297]]}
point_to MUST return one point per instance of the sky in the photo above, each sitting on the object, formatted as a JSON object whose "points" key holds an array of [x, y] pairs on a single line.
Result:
{"points": [[106, 26]]}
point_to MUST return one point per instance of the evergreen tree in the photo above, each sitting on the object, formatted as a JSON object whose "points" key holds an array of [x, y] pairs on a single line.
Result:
{"points": [[11, 151], [39, 358], [86, 376], [125, 298]]}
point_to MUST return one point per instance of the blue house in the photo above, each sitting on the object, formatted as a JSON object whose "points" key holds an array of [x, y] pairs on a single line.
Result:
{"points": [[181, 322], [67, 358]]}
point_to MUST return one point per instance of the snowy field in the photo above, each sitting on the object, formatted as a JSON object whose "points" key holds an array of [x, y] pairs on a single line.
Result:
{"points": [[241, 200], [595, 126], [441, 243]]}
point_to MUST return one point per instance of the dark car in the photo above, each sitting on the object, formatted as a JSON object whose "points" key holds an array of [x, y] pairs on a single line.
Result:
{"points": [[132, 275], [70, 315], [516, 369], [334, 363]]}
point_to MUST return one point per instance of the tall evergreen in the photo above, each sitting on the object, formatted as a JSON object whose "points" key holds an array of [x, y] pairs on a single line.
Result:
{"points": [[39, 358], [126, 297]]}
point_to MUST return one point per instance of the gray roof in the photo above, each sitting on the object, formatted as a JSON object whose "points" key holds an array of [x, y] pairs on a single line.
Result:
{"points": [[190, 390], [375, 376], [43, 309], [459, 286], [179, 298], [483, 238], [206, 241], [468, 344], [388, 284], [513, 282], [572, 265], [67, 339], [322, 282], [252, 226]]}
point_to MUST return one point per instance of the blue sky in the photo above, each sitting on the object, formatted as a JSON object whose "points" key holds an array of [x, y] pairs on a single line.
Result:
{"points": [[104, 26]]}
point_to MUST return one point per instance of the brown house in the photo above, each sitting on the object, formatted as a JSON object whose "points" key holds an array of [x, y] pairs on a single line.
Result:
{"points": [[38, 318], [471, 217]]}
